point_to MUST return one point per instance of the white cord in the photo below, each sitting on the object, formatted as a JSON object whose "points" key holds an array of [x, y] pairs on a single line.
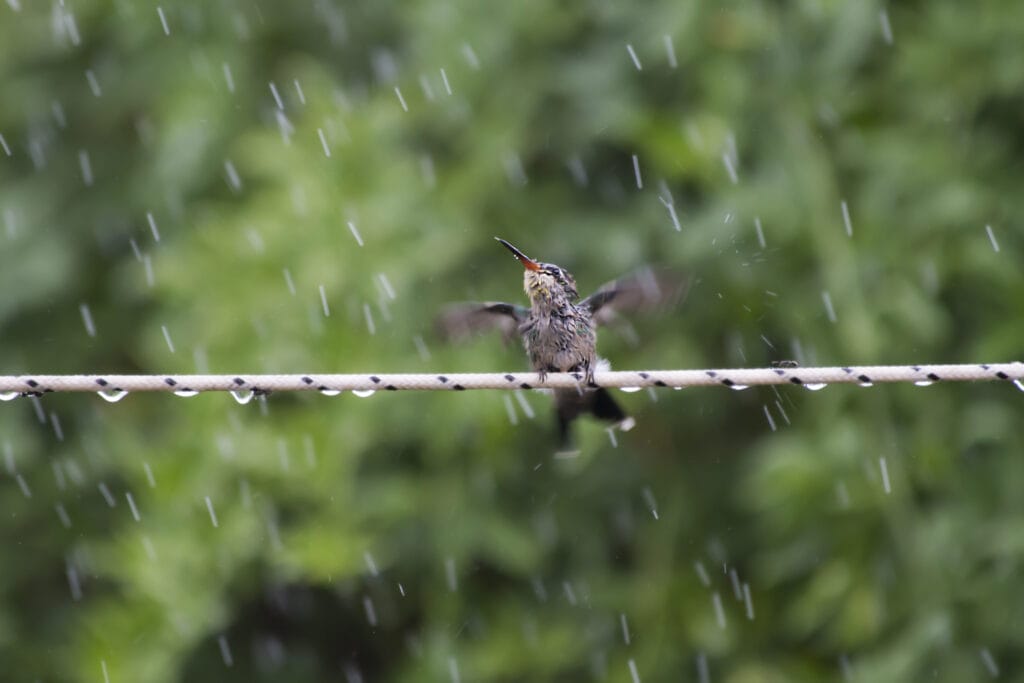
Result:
{"points": [[114, 386]]}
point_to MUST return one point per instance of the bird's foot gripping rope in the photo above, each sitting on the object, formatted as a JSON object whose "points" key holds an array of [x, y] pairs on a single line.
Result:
{"points": [[114, 387]]}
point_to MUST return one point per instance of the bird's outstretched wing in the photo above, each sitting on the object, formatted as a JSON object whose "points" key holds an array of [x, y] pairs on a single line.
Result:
{"points": [[643, 291], [460, 321]]}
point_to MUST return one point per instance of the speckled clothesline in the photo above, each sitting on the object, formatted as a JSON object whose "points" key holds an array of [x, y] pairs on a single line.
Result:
{"points": [[813, 378]]}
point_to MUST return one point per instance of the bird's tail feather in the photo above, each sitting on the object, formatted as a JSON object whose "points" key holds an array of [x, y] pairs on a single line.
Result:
{"points": [[604, 407], [598, 402]]}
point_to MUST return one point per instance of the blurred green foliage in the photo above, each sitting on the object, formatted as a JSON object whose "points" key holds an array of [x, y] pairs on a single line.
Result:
{"points": [[424, 536]]}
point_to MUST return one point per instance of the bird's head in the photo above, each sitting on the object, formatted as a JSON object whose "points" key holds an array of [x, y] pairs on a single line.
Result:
{"points": [[544, 281]]}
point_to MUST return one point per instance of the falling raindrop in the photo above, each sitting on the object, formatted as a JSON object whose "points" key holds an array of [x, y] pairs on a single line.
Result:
{"points": [[570, 594], [716, 600], [524, 404], [450, 575], [23, 485], [634, 674], [355, 233], [782, 411], [843, 495], [992, 238], [323, 302], [990, 662], [672, 214], [883, 18], [65, 520], [225, 651], [131, 506], [401, 100], [57, 430], [75, 585], [107, 495], [368, 315], [228, 77], [147, 264], [511, 410], [150, 549], [730, 168], [702, 573], [636, 172], [703, 673], [734, 579], [428, 90], [94, 84], [371, 564], [885, 475], [470, 55], [112, 395], [86, 165], [153, 226], [167, 337], [234, 180], [385, 284], [514, 170], [670, 51], [846, 219], [371, 612], [37, 406], [213, 515], [826, 299], [58, 474], [289, 282], [90, 326], [163, 20], [578, 171], [277, 96], [632, 55], [323, 142], [1017, 383]]}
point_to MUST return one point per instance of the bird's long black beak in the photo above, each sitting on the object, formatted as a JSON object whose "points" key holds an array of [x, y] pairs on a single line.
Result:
{"points": [[527, 262]]}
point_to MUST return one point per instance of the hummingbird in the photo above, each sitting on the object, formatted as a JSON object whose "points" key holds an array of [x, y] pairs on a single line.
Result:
{"points": [[559, 331]]}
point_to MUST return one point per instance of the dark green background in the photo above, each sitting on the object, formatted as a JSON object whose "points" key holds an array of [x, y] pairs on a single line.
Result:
{"points": [[514, 565]]}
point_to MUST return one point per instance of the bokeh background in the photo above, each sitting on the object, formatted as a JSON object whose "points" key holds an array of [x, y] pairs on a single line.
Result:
{"points": [[253, 186]]}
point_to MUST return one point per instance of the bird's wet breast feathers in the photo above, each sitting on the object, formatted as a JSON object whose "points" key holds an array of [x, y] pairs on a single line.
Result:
{"points": [[559, 339]]}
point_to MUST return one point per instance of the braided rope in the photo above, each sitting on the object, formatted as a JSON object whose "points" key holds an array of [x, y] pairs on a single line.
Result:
{"points": [[116, 386]]}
